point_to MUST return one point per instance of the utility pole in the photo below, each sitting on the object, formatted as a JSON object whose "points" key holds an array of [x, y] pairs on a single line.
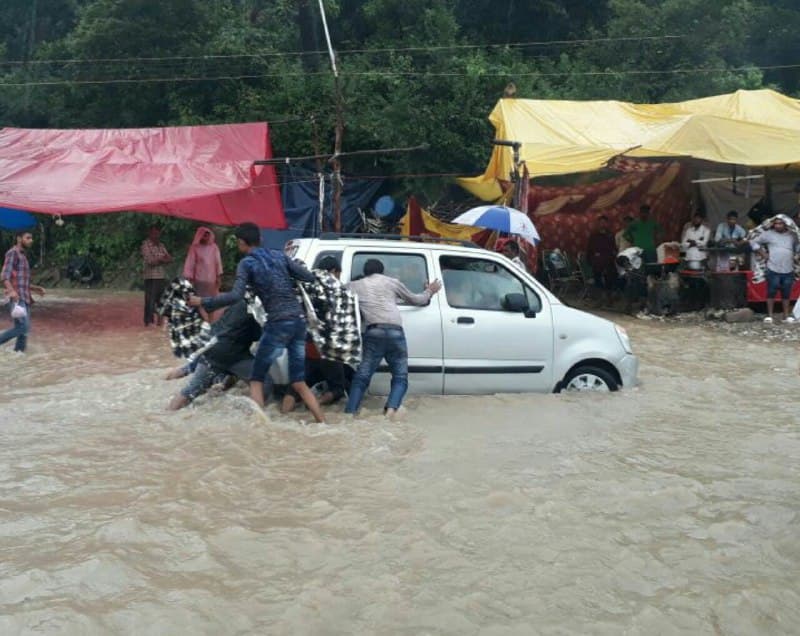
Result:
{"points": [[335, 162]]}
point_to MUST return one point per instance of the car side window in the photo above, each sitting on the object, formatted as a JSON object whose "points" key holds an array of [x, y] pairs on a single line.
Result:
{"points": [[337, 254], [410, 269], [477, 283]]}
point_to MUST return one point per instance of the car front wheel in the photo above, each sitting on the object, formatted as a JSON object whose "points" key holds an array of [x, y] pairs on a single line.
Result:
{"points": [[589, 378]]}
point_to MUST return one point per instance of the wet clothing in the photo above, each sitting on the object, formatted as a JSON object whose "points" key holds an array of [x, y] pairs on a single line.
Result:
{"points": [[235, 332], [188, 332], [381, 341], [321, 370], [233, 335], [334, 326], [384, 337], [203, 265], [278, 335], [271, 275], [377, 299], [17, 271], [19, 330]]}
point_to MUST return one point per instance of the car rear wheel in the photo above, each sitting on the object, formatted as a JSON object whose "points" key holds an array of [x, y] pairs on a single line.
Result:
{"points": [[589, 378]]}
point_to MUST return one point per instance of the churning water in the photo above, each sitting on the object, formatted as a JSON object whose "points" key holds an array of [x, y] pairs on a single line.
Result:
{"points": [[671, 508]]}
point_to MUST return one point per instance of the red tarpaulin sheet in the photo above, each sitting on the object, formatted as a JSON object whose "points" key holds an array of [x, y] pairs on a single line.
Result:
{"points": [[203, 173]]}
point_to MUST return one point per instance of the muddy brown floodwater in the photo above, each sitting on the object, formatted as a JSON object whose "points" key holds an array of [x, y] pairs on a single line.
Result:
{"points": [[668, 509]]}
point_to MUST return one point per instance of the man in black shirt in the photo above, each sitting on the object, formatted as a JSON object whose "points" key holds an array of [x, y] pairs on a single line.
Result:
{"points": [[235, 333]]}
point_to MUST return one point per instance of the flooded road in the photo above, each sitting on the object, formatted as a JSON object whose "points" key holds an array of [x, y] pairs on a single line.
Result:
{"points": [[670, 509]]}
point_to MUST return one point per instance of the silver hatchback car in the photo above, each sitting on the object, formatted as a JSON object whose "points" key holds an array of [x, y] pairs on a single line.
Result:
{"points": [[492, 329]]}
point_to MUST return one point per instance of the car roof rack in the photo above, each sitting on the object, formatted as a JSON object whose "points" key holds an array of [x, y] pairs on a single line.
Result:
{"points": [[333, 236]]}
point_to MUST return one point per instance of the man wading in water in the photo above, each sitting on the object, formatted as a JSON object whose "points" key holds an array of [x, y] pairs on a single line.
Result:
{"points": [[16, 277], [270, 274], [383, 336]]}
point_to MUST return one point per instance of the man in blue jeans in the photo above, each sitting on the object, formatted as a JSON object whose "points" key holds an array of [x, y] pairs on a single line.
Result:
{"points": [[383, 335], [16, 277], [270, 274], [778, 245]]}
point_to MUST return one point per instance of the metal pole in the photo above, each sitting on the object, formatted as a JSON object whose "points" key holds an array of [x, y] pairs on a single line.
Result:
{"points": [[336, 164]]}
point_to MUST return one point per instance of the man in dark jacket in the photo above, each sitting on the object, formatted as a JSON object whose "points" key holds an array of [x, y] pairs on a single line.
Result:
{"points": [[601, 253], [271, 275], [233, 335]]}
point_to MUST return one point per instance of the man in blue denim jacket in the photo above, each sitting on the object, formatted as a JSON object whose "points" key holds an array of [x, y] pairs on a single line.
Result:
{"points": [[270, 274]]}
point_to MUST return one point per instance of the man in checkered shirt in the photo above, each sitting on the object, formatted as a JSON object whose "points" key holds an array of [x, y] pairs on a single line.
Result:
{"points": [[16, 278], [155, 256]]}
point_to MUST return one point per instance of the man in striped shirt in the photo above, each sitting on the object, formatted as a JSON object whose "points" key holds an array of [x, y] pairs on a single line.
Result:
{"points": [[16, 278]]}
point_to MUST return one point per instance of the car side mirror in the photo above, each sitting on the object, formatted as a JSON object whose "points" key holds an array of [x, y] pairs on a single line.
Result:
{"points": [[516, 303]]}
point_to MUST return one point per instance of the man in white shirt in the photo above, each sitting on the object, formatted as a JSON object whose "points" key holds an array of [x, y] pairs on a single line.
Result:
{"points": [[695, 237]]}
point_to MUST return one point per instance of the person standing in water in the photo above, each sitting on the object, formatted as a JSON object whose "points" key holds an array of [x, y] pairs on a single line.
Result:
{"points": [[155, 256], [271, 275], [384, 337], [16, 277], [203, 265]]}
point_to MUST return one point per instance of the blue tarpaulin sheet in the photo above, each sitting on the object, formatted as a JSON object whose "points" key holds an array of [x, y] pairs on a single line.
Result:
{"points": [[16, 219], [301, 204]]}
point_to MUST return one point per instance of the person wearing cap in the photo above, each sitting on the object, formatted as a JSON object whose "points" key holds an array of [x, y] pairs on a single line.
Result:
{"points": [[778, 246]]}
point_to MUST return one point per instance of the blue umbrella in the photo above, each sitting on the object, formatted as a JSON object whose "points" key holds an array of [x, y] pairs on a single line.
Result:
{"points": [[501, 219], [16, 219]]}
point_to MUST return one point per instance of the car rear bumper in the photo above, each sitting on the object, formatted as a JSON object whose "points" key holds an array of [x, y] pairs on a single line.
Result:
{"points": [[628, 368]]}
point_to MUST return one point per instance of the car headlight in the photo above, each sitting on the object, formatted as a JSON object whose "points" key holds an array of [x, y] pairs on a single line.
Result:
{"points": [[623, 338]]}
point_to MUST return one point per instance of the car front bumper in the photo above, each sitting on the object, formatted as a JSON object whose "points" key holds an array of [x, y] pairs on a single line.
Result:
{"points": [[628, 368]]}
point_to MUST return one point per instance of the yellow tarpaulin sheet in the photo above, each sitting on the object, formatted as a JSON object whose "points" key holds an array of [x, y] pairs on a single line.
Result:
{"points": [[747, 128]]}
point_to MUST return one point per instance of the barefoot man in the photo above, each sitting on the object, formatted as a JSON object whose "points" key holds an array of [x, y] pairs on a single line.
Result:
{"points": [[270, 274]]}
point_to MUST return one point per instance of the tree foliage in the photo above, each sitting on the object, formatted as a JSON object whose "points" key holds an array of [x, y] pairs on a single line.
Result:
{"points": [[412, 71]]}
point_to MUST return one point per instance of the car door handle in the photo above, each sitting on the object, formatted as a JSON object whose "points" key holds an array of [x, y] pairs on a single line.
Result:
{"points": [[465, 320]]}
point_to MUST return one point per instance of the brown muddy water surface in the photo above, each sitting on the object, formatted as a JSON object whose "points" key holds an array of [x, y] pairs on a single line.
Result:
{"points": [[668, 509]]}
